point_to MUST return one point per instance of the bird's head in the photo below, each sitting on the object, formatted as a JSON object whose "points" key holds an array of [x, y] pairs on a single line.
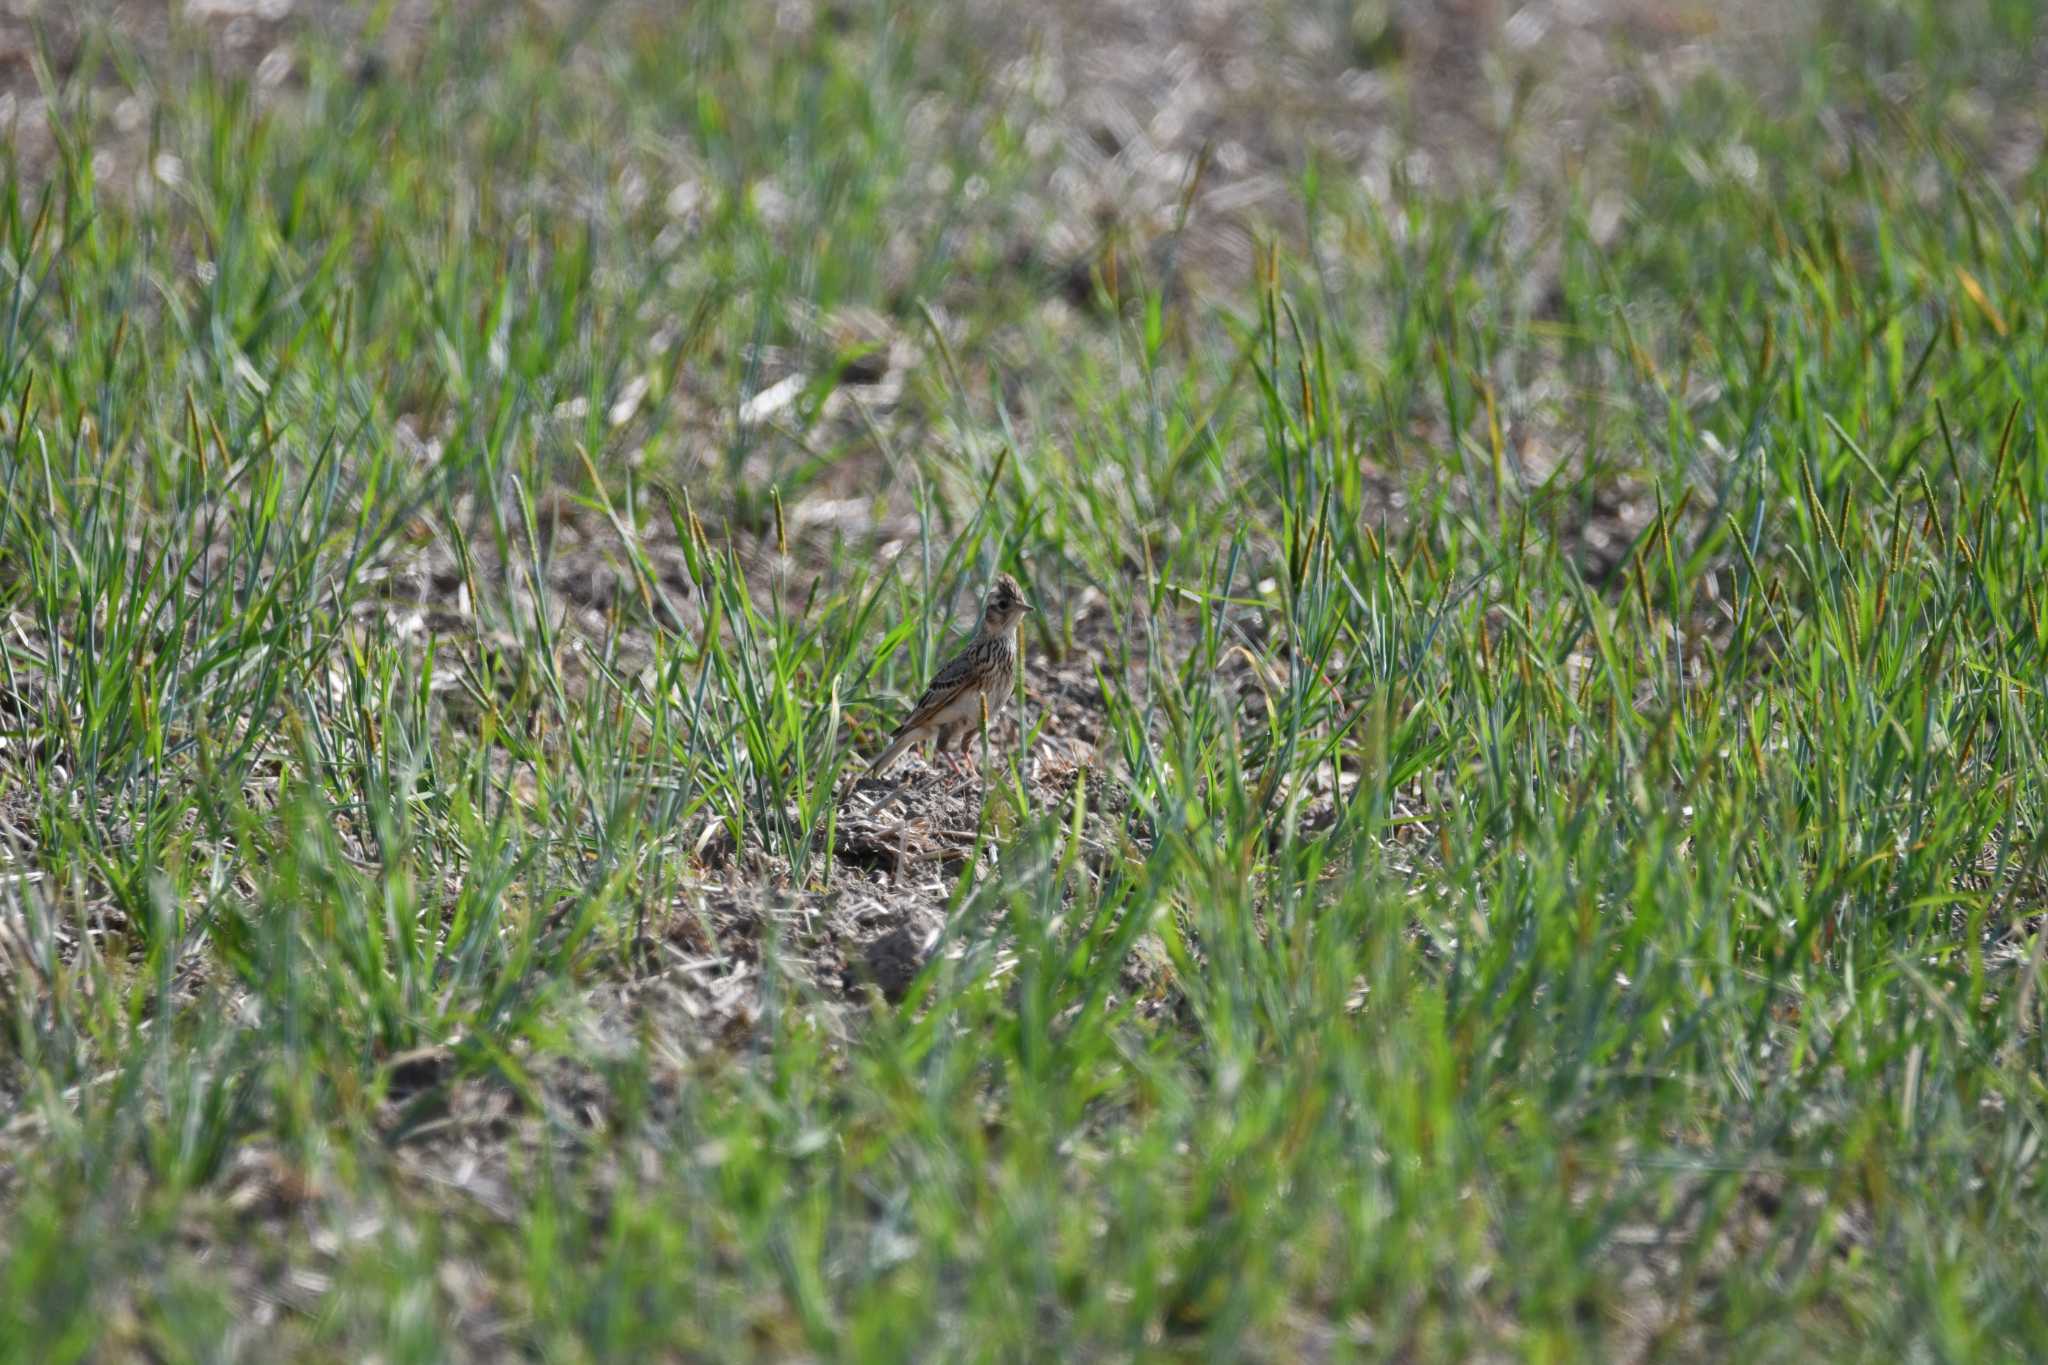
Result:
{"points": [[1005, 606]]}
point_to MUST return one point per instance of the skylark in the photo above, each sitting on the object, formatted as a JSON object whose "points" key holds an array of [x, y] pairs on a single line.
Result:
{"points": [[950, 709]]}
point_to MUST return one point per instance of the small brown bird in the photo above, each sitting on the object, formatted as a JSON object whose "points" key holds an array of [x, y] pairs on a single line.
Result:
{"points": [[950, 708]]}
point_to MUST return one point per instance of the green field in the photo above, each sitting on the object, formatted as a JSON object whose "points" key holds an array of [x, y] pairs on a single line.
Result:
{"points": [[1521, 831]]}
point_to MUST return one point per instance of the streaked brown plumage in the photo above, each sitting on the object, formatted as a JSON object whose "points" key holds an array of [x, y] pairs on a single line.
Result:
{"points": [[950, 709]]}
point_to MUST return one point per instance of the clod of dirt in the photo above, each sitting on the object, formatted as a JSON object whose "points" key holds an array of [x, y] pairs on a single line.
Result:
{"points": [[892, 962], [420, 1069], [865, 367], [1147, 973], [717, 846], [863, 848]]}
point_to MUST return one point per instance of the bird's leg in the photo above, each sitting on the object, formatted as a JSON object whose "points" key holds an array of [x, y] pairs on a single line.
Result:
{"points": [[947, 747]]}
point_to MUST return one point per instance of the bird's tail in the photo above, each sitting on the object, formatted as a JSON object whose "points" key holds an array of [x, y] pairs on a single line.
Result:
{"points": [[903, 740]]}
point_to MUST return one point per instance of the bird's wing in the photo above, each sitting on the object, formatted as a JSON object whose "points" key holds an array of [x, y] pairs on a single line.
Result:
{"points": [[967, 668]]}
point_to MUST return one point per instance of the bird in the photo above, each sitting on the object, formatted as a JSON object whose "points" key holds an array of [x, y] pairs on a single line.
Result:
{"points": [[950, 709]]}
